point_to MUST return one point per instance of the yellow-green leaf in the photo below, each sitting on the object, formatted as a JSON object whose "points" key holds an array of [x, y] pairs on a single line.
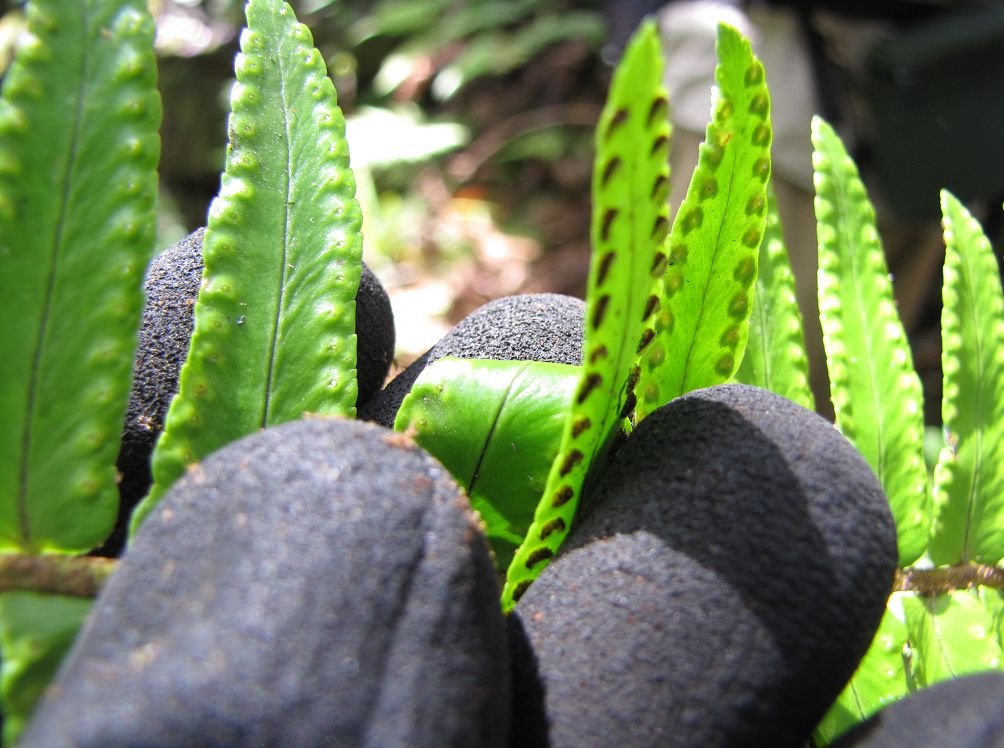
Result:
{"points": [[969, 476], [875, 390]]}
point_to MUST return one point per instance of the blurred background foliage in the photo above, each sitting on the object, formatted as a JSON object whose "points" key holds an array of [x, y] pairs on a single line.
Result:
{"points": [[470, 130]]}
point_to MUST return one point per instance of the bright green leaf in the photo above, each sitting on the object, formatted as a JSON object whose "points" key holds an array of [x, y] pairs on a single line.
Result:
{"points": [[274, 334], [969, 477], [993, 600], [879, 680], [775, 351], [710, 261], [79, 115], [951, 634], [36, 631], [496, 426], [875, 390], [630, 181]]}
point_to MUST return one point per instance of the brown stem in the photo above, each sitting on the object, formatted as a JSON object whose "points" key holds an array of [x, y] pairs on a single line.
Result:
{"points": [[76, 576], [948, 578]]}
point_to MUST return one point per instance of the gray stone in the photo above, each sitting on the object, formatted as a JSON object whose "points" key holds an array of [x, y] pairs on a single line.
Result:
{"points": [[724, 580], [323, 582], [967, 712], [530, 327]]}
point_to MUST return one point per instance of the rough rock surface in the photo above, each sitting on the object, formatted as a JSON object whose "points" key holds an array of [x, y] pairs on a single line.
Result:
{"points": [[964, 713], [719, 589], [172, 285], [323, 582], [531, 327]]}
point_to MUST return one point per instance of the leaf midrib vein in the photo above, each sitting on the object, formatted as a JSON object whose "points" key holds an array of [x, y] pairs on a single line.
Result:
{"points": [[271, 372], [711, 272], [851, 221]]}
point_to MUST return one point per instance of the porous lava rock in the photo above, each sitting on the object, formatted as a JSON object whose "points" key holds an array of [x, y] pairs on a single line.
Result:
{"points": [[967, 712], [528, 327], [724, 580], [171, 286], [322, 582]]}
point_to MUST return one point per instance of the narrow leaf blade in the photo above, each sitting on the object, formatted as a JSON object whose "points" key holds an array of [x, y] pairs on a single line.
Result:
{"points": [[710, 260], [630, 181], [775, 356], [496, 426], [875, 390], [275, 317], [969, 477], [79, 147]]}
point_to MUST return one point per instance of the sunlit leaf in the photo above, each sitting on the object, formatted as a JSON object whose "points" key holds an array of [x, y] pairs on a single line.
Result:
{"points": [[875, 390], [775, 351], [496, 426], [993, 600], [79, 115], [630, 181], [951, 634], [36, 631], [879, 680], [969, 477], [709, 265], [274, 330]]}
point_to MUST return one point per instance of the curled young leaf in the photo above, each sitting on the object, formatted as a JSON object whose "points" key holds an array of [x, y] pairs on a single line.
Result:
{"points": [[709, 263], [496, 426], [969, 476], [875, 390], [79, 147], [274, 334]]}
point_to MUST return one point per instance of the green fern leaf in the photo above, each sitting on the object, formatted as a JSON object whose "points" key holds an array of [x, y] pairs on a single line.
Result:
{"points": [[879, 680], [496, 426], [710, 265], [951, 634], [993, 601], [36, 631], [274, 334], [630, 182], [79, 147], [875, 391], [969, 477], [775, 351]]}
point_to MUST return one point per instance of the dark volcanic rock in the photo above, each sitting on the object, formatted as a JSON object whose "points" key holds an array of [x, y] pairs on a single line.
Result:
{"points": [[722, 584], [322, 582], [531, 327], [172, 285], [964, 713]]}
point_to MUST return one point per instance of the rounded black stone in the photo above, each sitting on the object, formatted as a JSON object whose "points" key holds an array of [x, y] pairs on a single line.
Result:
{"points": [[967, 712], [530, 327], [322, 582], [726, 576], [171, 286]]}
